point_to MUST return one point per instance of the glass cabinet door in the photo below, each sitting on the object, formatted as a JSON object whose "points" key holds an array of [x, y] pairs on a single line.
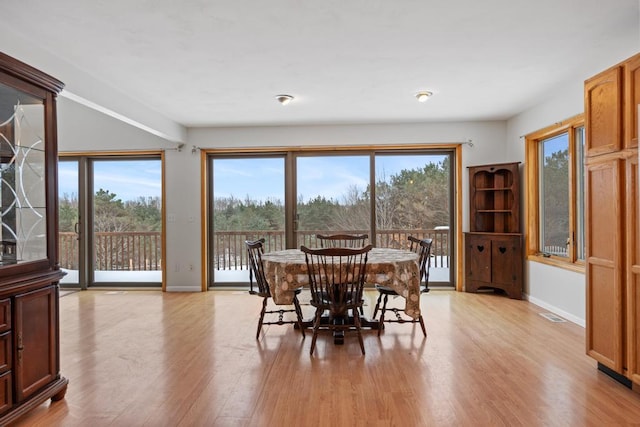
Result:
{"points": [[23, 216]]}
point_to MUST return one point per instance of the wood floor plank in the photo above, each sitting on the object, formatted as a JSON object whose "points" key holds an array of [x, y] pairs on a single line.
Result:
{"points": [[144, 358]]}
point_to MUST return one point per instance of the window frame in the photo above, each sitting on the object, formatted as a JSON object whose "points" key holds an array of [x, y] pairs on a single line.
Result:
{"points": [[455, 149], [532, 161]]}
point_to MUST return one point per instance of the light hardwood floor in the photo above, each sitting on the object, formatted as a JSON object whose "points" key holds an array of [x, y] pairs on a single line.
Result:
{"points": [[144, 358]]}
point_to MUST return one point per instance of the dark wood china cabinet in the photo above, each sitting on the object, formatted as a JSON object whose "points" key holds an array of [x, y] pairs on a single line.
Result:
{"points": [[29, 270]]}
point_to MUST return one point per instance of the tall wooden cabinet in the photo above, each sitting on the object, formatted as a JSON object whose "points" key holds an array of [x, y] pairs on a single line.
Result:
{"points": [[493, 247], [612, 212], [29, 270]]}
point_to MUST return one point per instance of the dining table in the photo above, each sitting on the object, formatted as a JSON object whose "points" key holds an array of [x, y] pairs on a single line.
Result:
{"points": [[286, 271]]}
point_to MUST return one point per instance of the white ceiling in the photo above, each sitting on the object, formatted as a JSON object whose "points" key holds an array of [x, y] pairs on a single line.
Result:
{"points": [[221, 63]]}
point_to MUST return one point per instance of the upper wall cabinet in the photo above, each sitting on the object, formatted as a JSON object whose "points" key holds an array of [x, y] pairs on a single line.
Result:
{"points": [[611, 108], [603, 112], [631, 101]]}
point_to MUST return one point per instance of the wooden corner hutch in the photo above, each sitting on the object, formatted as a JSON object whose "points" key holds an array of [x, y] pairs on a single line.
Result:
{"points": [[29, 270], [493, 247]]}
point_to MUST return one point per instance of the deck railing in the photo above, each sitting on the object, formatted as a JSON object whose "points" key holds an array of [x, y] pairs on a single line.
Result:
{"points": [[122, 251], [230, 252], [141, 251]]}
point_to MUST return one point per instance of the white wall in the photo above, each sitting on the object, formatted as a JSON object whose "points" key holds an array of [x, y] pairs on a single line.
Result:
{"points": [[94, 93], [85, 129], [553, 288]]}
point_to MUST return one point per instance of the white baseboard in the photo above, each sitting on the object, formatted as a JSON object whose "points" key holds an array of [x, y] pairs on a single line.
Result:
{"points": [[570, 317], [183, 289]]}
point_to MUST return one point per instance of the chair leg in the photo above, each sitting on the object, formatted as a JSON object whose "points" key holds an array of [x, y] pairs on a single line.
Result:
{"points": [[264, 309], [424, 330], [384, 309], [296, 304], [375, 310], [316, 327], [356, 323]]}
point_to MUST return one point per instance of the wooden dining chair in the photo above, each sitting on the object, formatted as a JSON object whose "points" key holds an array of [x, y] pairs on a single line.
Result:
{"points": [[423, 248], [336, 281], [342, 240], [424, 260], [255, 249]]}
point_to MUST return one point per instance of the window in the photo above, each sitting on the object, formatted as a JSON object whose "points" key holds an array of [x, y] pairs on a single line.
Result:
{"points": [[555, 176]]}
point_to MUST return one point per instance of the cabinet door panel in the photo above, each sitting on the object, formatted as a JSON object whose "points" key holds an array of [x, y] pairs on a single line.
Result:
{"points": [[603, 112], [604, 337], [632, 269], [36, 343], [604, 219], [632, 100], [5, 352], [506, 261], [478, 258], [633, 330], [5, 315]]}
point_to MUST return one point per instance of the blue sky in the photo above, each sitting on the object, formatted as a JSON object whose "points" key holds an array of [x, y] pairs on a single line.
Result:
{"points": [[556, 144], [128, 179], [328, 176]]}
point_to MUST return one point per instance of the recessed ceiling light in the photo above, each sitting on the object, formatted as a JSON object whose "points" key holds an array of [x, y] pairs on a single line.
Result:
{"points": [[284, 99], [423, 96]]}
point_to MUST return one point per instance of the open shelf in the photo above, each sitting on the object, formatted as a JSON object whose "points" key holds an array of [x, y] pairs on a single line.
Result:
{"points": [[495, 198]]}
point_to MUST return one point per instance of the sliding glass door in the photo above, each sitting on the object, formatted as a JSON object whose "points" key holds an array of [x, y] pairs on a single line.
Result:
{"points": [[289, 197], [414, 196], [110, 220]]}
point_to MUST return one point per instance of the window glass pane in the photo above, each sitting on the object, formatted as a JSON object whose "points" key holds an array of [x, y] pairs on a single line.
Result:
{"points": [[413, 197], [332, 196], [579, 137], [127, 221], [554, 195], [23, 225], [68, 220], [248, 204]]}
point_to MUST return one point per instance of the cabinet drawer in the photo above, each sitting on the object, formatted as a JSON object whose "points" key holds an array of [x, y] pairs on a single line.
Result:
{"points": [[5, 352], [6, 397], [5, 315]]}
